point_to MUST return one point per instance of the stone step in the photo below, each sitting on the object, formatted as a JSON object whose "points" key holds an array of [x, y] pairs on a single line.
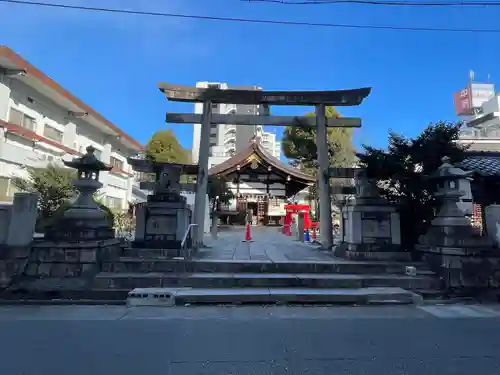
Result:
{"points": [[252, 280], [152, 253], [183, 296], [134, 265]]}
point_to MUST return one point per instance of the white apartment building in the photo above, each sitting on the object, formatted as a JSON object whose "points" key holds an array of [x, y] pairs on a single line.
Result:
{"points": [[227, 140], [482, 131], [42, 123]]}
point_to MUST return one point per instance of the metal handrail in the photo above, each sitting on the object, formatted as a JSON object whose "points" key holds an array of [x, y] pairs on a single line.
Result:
{"points": [[184, 239]]}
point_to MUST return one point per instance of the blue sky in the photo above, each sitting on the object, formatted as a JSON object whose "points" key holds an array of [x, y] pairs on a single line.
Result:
{"points": [[113, 62]]}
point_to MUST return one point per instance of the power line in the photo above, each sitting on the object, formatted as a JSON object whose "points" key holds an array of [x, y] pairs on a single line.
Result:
{"points": [[386, 3], [250, 20]]}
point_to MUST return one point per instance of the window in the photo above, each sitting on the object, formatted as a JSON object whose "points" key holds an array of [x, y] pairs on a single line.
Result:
{"points": [[19, 118], [116, 163], [52, 133]]}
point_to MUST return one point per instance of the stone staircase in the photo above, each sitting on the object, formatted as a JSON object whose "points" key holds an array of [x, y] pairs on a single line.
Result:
{"points": [[220, 282]]}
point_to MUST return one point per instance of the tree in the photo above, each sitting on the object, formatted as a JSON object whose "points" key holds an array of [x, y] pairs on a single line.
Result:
{"points": [[401, 173], [299, 146], [164, 147], [53, 184], [218, 191]]}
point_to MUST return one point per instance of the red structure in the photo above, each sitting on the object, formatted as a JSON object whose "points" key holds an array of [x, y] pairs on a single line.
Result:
{"points": [[294, 209]]}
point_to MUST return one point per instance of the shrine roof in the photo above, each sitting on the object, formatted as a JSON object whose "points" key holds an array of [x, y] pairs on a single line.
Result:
{"points": [[486, 164], [246, 156]]}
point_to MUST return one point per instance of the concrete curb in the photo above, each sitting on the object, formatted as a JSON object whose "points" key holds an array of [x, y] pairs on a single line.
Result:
{"points": [[169, 297], [35, 302]]}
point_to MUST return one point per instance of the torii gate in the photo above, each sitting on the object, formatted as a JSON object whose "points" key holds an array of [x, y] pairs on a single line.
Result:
{"points": [[319, 99]]}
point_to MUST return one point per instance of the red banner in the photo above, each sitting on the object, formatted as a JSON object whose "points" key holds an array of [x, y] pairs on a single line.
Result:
{"points": [[463, 102]]}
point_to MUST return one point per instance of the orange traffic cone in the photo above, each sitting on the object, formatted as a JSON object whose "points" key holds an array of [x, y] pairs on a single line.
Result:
{"points": [[248, 234]]}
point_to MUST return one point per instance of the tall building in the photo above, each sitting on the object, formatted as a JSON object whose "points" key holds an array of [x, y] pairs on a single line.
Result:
{"points": [[42, 123], [227, 140]]}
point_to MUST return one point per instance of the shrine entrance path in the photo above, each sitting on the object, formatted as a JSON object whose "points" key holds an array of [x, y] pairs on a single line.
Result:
{"points": [[269, 245]]}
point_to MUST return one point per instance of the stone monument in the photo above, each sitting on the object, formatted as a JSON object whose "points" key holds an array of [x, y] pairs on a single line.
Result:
{"points": [[163, 220], [370, 227], [452, 247]]}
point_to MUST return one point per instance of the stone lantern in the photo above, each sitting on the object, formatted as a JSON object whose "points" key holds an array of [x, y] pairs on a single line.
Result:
{"points": [[452, 247], [84, 220], [448, 183], [450, 229]]}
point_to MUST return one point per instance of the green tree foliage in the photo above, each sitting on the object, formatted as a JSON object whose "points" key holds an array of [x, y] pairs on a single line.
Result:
{"points": [[164, 147], [299, 145], [53, 184], [401, 172], [217, 187]]}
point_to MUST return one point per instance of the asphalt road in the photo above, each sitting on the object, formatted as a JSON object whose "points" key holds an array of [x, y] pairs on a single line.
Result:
{"points": [[248, 341]]}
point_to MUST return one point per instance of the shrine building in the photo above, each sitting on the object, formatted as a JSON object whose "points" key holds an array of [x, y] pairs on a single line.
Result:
{"points": [[259, 182]]}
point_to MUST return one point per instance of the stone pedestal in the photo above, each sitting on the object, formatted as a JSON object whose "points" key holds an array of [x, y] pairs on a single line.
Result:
{"points": [[370, 226], [64, 266], [162, 221]]}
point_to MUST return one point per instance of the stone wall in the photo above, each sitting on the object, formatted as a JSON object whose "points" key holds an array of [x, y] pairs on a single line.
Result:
{"points": [[13, 263], [59, 266], [460, 269]]}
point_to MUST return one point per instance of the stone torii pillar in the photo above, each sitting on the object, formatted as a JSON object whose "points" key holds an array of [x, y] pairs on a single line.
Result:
{"points": [[325, 211], [200, 198]]}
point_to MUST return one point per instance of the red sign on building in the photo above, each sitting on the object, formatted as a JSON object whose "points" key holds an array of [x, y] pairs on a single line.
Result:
{"points": [[463, 102]]}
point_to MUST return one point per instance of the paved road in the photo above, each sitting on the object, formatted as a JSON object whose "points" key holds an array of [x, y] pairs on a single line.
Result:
{"points": [[268, 244], [250, 341]]}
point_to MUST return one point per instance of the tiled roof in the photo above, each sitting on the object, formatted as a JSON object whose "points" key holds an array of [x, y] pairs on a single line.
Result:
{"points": [[256, 148], [486, 164]]}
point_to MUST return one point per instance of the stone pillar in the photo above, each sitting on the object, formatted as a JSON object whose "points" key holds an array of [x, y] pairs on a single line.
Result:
{"points": [[300, 226], [215, 222], [22, 219], [5, 212], [140, 222], [202, 178], [323, 179]]}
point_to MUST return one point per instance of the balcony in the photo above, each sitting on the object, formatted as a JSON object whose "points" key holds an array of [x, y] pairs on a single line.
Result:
{"points": [[29, 157]]}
